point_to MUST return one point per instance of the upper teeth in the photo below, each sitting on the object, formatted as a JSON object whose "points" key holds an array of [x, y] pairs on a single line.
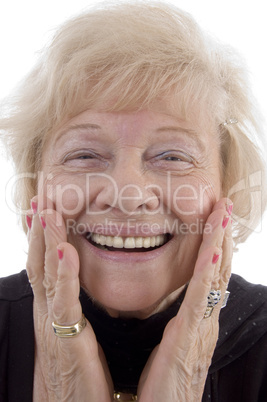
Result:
{"points": [[128, 242]]}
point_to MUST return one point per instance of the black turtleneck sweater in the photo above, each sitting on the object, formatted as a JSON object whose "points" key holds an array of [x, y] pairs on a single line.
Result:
{"points": [[238, 372]]}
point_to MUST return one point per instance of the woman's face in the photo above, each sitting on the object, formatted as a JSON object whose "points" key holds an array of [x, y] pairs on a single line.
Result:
{"points": [[135, 190]]}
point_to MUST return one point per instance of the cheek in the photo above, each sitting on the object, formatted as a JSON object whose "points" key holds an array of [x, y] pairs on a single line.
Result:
{"points": [[66, 193], [72, 194], [193, 196], [69, 200]]}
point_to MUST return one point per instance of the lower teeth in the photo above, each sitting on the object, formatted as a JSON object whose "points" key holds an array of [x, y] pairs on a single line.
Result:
{"points": [[101, 247]]}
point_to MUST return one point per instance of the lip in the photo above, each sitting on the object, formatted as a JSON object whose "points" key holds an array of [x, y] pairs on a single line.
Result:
{"points": [[126, 257]]}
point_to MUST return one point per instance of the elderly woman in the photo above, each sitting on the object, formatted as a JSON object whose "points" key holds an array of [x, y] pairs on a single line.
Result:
{"points": [[133, 138]]}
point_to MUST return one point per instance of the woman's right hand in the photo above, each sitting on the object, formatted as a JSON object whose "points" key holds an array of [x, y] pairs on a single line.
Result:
{"points": [[66, 369]]}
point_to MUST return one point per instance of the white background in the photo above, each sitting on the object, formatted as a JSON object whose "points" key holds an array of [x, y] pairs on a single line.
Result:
{"points": [[25, 26]]}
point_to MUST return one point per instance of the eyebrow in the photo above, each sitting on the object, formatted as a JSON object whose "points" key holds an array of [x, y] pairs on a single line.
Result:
{"points": [[75, 127], [176, 129], [192, 133]]}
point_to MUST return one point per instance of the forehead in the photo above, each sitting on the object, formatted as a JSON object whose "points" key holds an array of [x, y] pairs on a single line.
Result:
{"points": [[123, 124], [136, 129]]}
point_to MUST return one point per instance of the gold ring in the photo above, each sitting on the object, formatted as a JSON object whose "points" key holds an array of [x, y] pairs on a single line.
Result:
{"points": [[118, 397], [67, 331]]}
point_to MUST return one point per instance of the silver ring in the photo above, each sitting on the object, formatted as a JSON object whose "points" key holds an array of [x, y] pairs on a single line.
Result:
{"points": [[225, 299], [214, 297]]}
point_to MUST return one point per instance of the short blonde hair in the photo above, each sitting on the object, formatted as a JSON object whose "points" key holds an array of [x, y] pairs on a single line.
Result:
{"points": [[124, 57]]}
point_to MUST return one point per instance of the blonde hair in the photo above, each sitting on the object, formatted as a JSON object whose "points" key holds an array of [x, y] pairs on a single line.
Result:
{"points": [[124, 57]]}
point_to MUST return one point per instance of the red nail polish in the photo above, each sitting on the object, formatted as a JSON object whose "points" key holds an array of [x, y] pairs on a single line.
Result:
{"points": [[225, 221], [43, 222], [215, 258], [60, 254], [229, 208], [29, 221], [34, 207]]}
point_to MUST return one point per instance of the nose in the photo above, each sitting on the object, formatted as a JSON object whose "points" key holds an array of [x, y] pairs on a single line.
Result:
{"points": [[127, 192]]}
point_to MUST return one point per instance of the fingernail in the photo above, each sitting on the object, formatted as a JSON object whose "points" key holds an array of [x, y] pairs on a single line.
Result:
{"points": [[43, 222], [60, 253], [225, 221], [29, 221], [34, 207], [215, 258], [229, 208]]}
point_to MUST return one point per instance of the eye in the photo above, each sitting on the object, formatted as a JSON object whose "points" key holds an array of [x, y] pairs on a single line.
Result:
{"points": [[174, 156], [80, 155], [84, 159], [173, 160]]}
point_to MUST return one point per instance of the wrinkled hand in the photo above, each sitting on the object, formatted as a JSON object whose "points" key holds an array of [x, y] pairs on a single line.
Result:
{"points": [[177, 369], [66, 369]]}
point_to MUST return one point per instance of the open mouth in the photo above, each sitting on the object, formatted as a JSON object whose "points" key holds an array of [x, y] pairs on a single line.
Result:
{"points": [[127, 244]]}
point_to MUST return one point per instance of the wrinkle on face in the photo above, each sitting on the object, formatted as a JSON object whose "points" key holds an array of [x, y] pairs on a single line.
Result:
{"points": [[129, 145]]}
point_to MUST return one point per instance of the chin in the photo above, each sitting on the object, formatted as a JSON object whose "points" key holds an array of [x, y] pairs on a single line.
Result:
{"points": [[124, 291], [131, 282], [134, 305]]}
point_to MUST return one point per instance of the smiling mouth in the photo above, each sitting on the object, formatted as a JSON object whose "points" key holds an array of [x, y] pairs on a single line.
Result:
{"points": [[127, 244]]}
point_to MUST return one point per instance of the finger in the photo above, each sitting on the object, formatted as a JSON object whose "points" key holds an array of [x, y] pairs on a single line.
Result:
{"points": [[54, 233], [35, 262], [224, 203], [194, 305], [66, 305], [28, 220], [37, 205], [216, 224], [222, 237], [227, 255], [222, 271]]}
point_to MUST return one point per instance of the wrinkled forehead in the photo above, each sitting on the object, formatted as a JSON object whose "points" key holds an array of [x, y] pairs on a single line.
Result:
{"points": [[173, 106], [159, 121]]}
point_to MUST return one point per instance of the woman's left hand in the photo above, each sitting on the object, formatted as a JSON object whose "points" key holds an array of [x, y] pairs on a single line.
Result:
{"points": [[177, 368]]}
